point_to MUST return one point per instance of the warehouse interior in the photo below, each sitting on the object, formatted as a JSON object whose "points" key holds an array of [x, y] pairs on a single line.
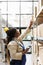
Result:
{"points": [[17, 14]]}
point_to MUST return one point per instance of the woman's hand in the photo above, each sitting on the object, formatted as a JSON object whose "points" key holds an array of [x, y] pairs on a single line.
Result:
{"points": [[25, 51], [31, 23]]}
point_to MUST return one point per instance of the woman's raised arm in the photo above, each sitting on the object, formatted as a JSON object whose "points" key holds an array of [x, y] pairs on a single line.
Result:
{"points": [[28, 29]]}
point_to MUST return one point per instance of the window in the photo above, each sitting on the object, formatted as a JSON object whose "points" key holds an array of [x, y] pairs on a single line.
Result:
{"points": [[11, 12]]}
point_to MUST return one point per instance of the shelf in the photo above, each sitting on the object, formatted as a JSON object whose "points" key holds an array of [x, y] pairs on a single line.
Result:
{"points": [[39, 17], [38, 39]]}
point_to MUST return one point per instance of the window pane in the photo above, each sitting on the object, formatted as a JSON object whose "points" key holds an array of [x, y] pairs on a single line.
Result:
{"points": [[4, 20], [3, 7], [26, 7], [13, 21], [25, 20], [13, 7]]}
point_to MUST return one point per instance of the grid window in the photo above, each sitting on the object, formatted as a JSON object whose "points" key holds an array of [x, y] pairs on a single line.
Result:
{"points": [[14, 8]]}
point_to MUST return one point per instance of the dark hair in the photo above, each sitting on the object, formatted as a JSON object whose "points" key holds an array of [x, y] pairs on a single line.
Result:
{"points": [[10, 34]]}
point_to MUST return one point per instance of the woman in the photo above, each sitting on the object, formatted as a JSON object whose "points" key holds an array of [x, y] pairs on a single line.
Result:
{"points": [[15, 45]]}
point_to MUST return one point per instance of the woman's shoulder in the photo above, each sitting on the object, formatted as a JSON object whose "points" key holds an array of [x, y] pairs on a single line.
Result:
{"points": [[12, 45], [12, 42]]}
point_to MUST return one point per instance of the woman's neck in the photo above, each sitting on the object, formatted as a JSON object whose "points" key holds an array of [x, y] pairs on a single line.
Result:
{"points": [[18, 40]]}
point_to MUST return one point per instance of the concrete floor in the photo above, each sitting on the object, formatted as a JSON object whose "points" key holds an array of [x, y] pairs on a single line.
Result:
{"points": [[28, 62]]}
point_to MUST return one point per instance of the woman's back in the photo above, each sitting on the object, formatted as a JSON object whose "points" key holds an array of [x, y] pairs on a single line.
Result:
{"points": [[15, 50]]}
